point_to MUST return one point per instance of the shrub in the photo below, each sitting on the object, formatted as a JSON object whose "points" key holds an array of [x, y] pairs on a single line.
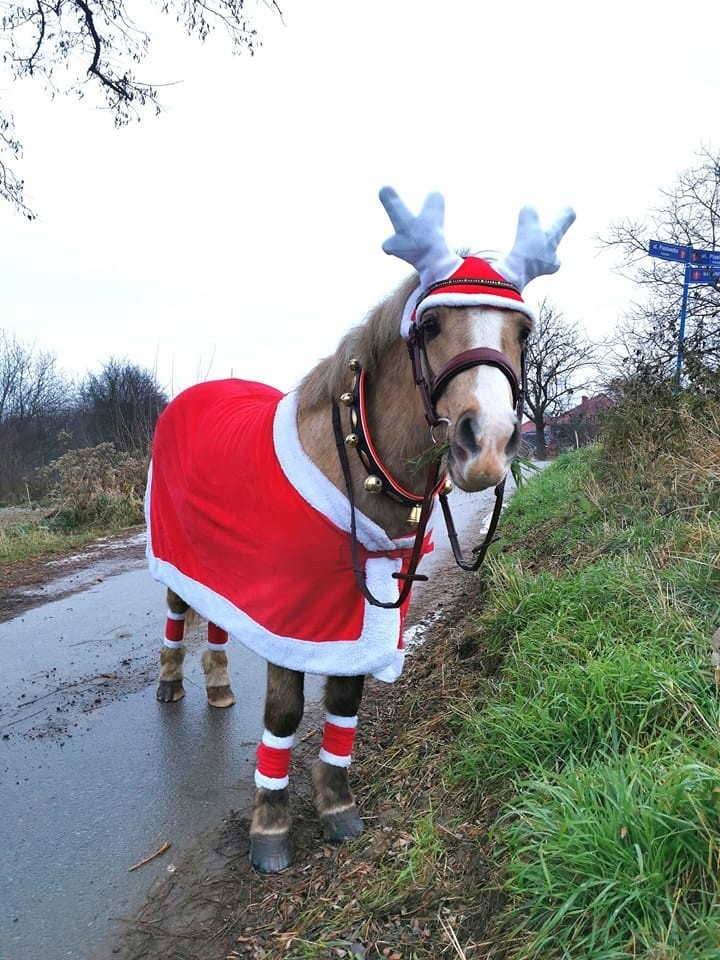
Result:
{"points": [[97, 486]]}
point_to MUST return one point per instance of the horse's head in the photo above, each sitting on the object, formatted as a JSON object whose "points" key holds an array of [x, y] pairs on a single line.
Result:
{"points": [[466, 325], [479, 406]]}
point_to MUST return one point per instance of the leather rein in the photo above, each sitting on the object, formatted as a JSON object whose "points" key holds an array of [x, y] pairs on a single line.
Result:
{"points": [[431, 387]]}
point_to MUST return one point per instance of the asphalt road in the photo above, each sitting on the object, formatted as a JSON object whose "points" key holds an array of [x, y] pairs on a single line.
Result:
{"points": [[96, 775]]}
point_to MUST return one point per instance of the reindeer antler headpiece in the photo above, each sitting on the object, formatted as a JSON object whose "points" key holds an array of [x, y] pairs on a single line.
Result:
{"points": [[450, 280]]}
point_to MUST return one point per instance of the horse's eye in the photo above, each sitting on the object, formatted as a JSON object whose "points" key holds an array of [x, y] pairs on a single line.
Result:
{"points": [[524, 334], [431, 326]]}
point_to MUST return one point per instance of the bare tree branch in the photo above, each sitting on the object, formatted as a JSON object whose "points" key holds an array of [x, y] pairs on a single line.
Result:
{"points": [[97, 42], [648, 340], [558, 362]]}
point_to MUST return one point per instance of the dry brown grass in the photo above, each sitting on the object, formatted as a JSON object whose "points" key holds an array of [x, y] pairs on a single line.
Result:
{"points": [[668, 452]]}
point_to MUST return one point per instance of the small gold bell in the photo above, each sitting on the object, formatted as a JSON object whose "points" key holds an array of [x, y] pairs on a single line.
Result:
{"points": [[352, 440], [373, 484], [415, 514], [354, 364], [346, 399], [446, 488]]}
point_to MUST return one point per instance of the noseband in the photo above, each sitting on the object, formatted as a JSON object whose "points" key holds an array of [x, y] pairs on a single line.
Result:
{"points": [[431, 388]]}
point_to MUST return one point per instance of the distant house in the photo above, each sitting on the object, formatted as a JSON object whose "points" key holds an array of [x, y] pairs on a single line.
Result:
{"points": [[574, 428]]}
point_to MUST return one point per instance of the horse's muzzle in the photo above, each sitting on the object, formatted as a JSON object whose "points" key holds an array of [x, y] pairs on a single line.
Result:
{"points": [[479, 456]]}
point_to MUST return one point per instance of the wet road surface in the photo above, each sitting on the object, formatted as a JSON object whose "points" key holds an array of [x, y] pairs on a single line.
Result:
{"points": [[95, 774]]}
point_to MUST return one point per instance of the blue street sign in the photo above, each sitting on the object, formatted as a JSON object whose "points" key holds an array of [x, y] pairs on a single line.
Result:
{"points": [[669, 251], [696, 275], [701, 266], [706, 258]]}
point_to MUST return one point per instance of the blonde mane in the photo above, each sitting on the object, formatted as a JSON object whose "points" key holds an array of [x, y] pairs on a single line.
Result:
{"points": [[368, 341]]}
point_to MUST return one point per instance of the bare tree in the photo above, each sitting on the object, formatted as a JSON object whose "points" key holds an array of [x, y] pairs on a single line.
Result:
{"points": [[559, 361], [34, 398], [30, 384], [80, 46], [121, 405], [649, 336]]}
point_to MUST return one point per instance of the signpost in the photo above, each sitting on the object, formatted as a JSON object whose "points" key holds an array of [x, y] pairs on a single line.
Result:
{"points": [[670, 251], [701, 266], [706, 258], [704, 276]]}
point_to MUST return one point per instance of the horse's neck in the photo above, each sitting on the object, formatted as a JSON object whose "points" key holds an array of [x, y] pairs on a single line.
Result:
{"points": [[398, 431]]}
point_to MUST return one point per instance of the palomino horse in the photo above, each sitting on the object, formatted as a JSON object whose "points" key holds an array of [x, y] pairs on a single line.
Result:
{"points": [[296, 522]]}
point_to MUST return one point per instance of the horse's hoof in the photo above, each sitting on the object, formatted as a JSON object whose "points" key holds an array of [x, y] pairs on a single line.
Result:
{"points": [[169, 691], [270, 852], [342, 825], [220, 696]]}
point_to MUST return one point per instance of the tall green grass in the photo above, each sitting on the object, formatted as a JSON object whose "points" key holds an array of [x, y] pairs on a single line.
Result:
{"points": [[602, 729], [617, 858]]}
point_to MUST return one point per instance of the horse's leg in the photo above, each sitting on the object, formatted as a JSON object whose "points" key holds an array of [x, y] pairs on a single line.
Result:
{"points": [[333, 797], [170, 685], [270, 848], [215, 665]]}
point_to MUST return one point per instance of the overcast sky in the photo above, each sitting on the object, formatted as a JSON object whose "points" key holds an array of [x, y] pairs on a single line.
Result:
{"points": [[240, 233]]}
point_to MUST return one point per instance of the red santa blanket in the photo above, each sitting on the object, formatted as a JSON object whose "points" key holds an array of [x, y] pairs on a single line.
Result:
{"points": [[248, 531]]}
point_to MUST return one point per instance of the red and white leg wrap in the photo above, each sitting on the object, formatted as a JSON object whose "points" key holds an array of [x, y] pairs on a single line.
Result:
{"points": [[338, 739], [174, 630], [217, 638], [273, 761]]}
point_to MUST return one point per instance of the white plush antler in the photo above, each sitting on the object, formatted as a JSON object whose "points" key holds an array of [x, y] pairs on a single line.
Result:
{"points": [[420, 241], [534, 252]]}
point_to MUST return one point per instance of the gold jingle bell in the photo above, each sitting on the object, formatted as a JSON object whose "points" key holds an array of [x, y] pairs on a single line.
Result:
{"points": [[446, 488], [415, 514], [354, 364], [352, 440], [346, 399], [373, 484]]}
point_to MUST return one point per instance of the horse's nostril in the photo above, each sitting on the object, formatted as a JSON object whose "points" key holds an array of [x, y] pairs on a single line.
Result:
{"points": [[514, 441], [465, 434]]}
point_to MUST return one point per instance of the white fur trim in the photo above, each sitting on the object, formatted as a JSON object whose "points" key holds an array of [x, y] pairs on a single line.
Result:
{"points": [[175, 616], [375, 650], [333, 759], [408, 311], [315, 488], [278, 743], [270, 783], [347, 723], [218, 647], [447, 299], [173, 644]]}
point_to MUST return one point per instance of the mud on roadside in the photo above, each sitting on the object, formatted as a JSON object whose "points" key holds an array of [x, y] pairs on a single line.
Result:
{"points": [[35, 580]]}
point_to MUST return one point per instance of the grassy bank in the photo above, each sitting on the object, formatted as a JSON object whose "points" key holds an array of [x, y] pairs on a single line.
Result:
{"points": [[548, 783], [600, 732]]}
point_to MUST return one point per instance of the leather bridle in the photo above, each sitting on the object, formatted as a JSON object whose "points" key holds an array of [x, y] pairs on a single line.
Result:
{"points": [[431, 388]]}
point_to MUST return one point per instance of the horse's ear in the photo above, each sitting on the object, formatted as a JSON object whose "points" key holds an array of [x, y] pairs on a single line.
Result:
{"points": [[420, 240], [534, 253]]}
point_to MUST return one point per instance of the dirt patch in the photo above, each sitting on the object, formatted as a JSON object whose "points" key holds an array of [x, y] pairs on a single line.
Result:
{"points": [[379, 896]]}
